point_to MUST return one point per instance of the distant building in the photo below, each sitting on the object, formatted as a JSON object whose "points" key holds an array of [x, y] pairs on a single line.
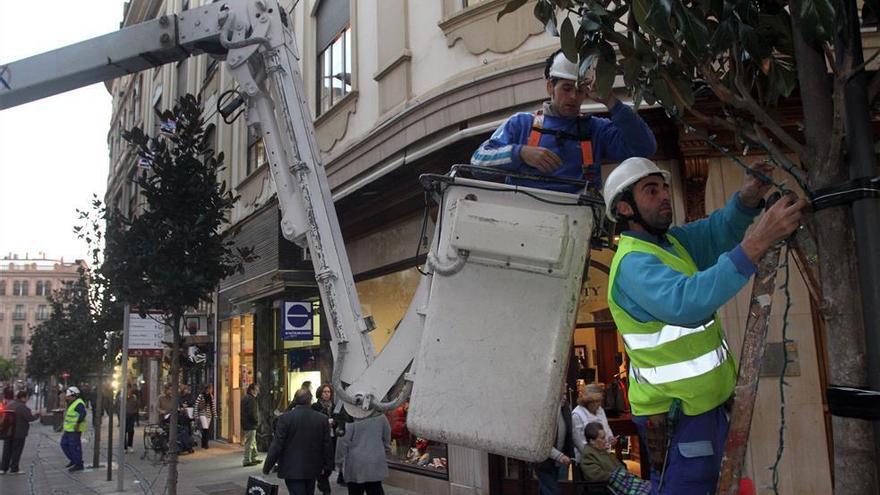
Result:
{"points": [[25, 285]]}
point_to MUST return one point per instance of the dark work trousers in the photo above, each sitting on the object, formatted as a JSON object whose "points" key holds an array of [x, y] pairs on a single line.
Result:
{"points": [[369, 488], [71, 445], [12, 448], [129, 429], [694, 457], [300, 487]]}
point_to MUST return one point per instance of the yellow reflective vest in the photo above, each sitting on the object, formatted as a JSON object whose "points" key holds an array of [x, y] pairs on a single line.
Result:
{"points": [[71, 417], [669, 362]]}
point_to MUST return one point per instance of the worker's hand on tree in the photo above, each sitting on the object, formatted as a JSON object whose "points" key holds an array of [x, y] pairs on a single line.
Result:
{"points": [[541, 158], [774, 225], [754, 188]]}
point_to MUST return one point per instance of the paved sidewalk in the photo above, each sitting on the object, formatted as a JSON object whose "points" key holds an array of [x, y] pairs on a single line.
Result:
{"points": [[215, 471]]}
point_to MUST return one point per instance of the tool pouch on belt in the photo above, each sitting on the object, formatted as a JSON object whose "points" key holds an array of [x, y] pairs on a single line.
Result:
{"points": [[657, 433]]}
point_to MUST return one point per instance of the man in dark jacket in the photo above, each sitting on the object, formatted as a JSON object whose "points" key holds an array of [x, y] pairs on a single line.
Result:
{"points": [[250, 421], [301, 446], [13, 447]]}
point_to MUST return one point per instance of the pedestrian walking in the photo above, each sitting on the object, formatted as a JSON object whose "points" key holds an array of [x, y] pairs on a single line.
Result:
{"points": [[300, 446], [325, 406], [361, 454], [74, 426], [13, 446], [206, 412], [250, 421], [131, 413]]}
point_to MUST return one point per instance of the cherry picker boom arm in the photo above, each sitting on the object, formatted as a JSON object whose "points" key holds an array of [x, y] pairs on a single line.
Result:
{"points": [[261, 54]]}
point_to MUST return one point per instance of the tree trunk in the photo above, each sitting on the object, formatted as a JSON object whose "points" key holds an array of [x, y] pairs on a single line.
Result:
{"points": [[175, 391], [841, 304]]}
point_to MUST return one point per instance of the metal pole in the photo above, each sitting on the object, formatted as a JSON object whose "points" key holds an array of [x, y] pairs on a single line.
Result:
{"points": [[123, 392], [863, 163], [109, 443]]}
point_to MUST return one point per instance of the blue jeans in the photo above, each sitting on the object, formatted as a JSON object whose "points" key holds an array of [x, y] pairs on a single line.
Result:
{"points": [[695, 453], [72, 447], [548, 483]]}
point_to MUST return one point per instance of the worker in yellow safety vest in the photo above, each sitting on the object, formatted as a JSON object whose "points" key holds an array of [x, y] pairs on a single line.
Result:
{"points": [[74, 425], [665, 288]]}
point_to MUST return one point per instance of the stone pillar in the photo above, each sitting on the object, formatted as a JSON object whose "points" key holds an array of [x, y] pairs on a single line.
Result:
{"points": [[468, 471]]}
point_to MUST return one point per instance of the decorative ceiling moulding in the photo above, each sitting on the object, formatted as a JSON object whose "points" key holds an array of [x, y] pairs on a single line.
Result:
{"points": [[480, 32], [331, 127]]}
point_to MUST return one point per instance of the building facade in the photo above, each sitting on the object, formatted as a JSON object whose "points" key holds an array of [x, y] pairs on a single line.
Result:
{"points": [[399, 88], [25, 285]]}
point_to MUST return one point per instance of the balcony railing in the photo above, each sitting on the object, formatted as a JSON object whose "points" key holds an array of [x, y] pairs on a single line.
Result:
{"points": [[17, 340]]}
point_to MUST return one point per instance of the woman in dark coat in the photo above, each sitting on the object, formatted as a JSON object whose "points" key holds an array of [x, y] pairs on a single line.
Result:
{"points": [[325, 405]]}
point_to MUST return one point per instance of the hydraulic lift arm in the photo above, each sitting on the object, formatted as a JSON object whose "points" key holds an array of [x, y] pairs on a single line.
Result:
{"points": [[492, 320], [261, 54]]}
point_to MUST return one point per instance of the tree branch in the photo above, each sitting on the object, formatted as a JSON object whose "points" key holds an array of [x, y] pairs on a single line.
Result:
{"points": [[780, 158], [764, 119], [855, 70]]}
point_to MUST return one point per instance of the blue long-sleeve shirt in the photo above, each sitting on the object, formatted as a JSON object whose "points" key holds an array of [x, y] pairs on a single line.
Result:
{"points": [[649, 290], [623, 136]]}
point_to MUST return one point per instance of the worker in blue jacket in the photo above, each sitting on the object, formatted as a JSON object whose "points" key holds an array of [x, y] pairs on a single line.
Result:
{"points": [[559, 140], [665, 288]]}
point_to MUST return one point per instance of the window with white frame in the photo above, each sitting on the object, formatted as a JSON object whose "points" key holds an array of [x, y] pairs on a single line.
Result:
{"points": [[40, 288], [16, 288], [19, 313], [24, 287], [42, 312], [256, 155], [334, 64]]}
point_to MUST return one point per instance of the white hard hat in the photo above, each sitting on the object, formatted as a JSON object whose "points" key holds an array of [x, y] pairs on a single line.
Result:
{"points": [[625, 175], [72, 391], [563, 68]]}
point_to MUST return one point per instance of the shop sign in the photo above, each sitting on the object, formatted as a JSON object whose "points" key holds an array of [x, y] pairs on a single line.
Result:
{"points": [[145, 335], [296, 321]]}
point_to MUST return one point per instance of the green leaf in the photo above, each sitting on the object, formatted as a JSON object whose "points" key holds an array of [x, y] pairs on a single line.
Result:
{"points": [[817, 20], [546, 13], [664, 96], [511, 6], [693, 31], [631, 69], [568, 41], [606, 70]]}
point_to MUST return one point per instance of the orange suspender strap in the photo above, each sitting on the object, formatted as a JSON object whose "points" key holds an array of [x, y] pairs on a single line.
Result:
{"points": [[535, 135], [535, 138], [587, 153]]}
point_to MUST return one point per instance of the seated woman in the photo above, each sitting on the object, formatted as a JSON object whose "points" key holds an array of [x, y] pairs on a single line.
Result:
{"points": [[597, 463]]}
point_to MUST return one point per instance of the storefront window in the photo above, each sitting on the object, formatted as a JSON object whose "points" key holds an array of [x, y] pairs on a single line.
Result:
{"points": [[302, 358], [386, 299], [236, 370]]}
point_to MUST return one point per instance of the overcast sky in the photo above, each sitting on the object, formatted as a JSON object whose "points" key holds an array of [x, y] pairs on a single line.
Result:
{"points": [[53, 152]]}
